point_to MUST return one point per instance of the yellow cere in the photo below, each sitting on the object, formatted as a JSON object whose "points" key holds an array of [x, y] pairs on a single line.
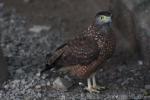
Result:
{"points": [[104, 18]]}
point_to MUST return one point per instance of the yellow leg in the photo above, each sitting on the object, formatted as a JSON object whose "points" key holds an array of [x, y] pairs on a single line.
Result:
{"points": [[94, 80], [89, 87], [95, 86], [89, 83]]}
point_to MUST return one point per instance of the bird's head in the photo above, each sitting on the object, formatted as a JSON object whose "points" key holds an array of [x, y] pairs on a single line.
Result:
{"points": [[103, 18]]}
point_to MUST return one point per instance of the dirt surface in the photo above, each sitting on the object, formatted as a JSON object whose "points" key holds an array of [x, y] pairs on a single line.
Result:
{"points": [[25, 51]]}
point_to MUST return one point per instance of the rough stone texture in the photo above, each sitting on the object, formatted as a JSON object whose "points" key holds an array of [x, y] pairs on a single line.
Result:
{"points": [[25, 50], [125, 29], [3, 68], [3, 65], [75, 16], [62, 84], [26, 58], [141, 11]]}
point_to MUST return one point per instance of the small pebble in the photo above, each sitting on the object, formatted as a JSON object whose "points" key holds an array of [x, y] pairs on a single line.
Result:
{"points": [[140, 62], [38, 74], [38, 86], [6, 86], [39, 28], [19, 71], [44, 76], [81, 84], [48, 83], [23, 81], [39, 95], [62, 84], [0, 95]]}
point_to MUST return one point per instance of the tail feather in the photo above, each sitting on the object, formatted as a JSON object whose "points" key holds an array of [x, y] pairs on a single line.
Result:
{"points": [[51, 59], [47, 67]]}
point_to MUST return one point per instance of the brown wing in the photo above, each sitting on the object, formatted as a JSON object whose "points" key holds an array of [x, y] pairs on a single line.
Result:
{"points": [[81, 50]]}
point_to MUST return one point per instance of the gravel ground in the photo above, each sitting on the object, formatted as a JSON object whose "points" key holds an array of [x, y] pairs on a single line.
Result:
{"points": [[25, 47]]}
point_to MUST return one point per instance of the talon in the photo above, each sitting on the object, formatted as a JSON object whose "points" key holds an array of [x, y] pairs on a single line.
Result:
{"points": [[91, 90], [93, 87], [95, 84], [100, 88], [90, 87]]}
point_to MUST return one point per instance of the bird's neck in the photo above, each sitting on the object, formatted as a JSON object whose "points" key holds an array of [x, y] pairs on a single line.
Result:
{"points": [[96, 30], [105, 28]]}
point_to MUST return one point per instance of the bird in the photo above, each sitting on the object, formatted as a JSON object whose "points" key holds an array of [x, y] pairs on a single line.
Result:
{"points": [[84, 55]]}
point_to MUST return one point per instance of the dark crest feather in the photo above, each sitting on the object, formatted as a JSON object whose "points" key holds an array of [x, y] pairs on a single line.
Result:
{"points": [[106, 13]]}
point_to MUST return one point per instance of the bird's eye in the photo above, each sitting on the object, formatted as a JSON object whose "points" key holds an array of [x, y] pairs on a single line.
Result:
{"points": [[102, 17]]}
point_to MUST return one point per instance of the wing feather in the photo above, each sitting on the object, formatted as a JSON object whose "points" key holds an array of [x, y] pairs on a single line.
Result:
{"points": [[81, 50]]}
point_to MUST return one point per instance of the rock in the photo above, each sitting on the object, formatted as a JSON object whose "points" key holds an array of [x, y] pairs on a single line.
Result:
{"points": [[124, 29], [19, 71], [140, 62], [122, 97], [23, 81], [6, 86], [62, 84], [39, 95], [0, 95], [38, 74], [133, 22], [147, 86], [126, 81], [39, 28], [81, 84], [38, 86], [143, 32], [44, 76], [48, 83], [139, 9], [63, 97], [3, 68], [146, 97], [138, 97]]}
